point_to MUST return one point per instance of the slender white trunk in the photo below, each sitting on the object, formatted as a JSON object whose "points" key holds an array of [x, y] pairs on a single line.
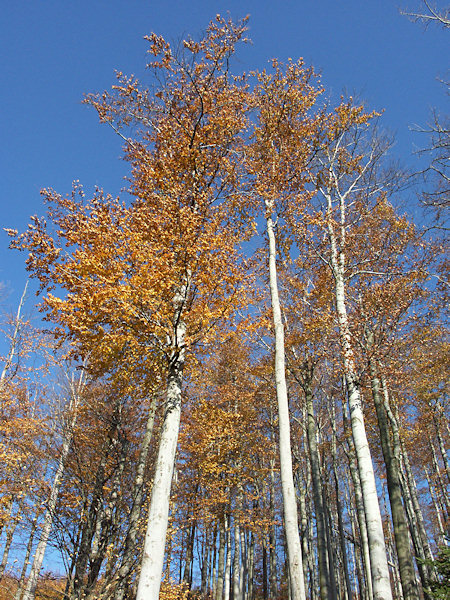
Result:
{"points": [[227, 583], [378, 559], [30, 588], [294, 550], [155, 537]]}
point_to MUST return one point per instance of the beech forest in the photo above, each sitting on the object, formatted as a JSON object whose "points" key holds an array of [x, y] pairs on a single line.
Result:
{"points": [[237, 386]]}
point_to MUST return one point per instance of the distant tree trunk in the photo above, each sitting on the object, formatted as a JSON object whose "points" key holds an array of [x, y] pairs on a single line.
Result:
{"points": [[437, 510], [9, 538], [155, 537], [391, 460], [294, 550], [26, 560], [264, 570], [107, 523], [348, 589], [128, 556], [251, 567], [442, 487], [205, 563], [221, 559], [272, 536], [416, 525], [227, 584], [75, 393], [324, 575], [357, 554], [95, 510], [187, 577], [236, 559], [330, 545], [244, 564]]}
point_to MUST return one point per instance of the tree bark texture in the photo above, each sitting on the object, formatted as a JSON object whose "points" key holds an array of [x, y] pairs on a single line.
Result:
{"points": [[294, 550]]}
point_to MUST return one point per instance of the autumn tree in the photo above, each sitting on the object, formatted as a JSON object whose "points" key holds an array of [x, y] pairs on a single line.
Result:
{"points": [[151, 278]]}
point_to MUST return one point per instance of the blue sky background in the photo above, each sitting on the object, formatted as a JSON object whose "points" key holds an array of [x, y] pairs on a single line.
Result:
{"points": [[54, 51]]}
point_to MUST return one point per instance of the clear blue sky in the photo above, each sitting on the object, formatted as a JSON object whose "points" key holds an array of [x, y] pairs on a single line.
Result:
{"points": [[54, 51]]}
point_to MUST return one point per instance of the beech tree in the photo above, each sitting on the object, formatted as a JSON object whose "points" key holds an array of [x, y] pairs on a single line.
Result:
{"points": [[154, 276]]}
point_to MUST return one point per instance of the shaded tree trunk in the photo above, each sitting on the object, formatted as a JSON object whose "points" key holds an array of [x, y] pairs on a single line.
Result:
{"points": [[391, 459], [128, 556]]}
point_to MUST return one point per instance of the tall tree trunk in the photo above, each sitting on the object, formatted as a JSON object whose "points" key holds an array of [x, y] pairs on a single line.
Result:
{"points": [[251, 567], [416, 525], [227, 583], [236, 558], [348, 589], [187, 577], [324, 576], [294, 549], [155, 537], [442, 487], [378, 559], [138, 499], [330, 545], [437, 510], [360, 512], [221, 559], [391, 460], [26, 560]]}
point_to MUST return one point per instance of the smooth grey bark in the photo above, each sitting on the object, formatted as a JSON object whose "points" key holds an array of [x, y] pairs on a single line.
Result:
{"points": [[416, 523], [443, 451], [272, 536], [348, 587], [437, 510], [236, 560], [221, 559], [391, 460], [330, 546], [294, 551], [244, 564], [324, 575], [187, 576], [377, 549], [128, 556], [155, 537], [442, 487], [251, 567], [228, 565], [360, 512], [356, 552], [212, 574]]}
